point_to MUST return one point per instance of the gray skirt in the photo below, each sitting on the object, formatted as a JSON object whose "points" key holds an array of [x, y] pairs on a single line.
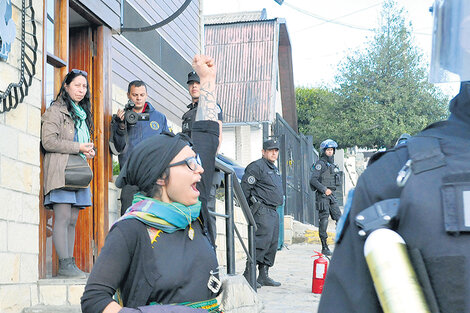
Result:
{"points": [[80, 198]]}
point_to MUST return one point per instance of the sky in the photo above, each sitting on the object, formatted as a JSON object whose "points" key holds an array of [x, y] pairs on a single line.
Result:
{"points": [[324, 32]]}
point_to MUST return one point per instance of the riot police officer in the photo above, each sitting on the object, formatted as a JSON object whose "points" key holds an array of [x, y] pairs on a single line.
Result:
{"points": [[324, 179], [430, 178], [262, 186]]}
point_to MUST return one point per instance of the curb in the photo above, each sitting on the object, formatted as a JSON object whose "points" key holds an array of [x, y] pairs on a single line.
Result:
{"points": [[311, 236]]}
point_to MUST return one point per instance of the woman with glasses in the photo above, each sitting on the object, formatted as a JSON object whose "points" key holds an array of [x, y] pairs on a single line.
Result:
{"points": [[67, 126], [158, 255]]}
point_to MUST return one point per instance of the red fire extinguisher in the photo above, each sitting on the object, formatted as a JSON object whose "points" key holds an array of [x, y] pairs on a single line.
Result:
{"points": [[320, 266]]}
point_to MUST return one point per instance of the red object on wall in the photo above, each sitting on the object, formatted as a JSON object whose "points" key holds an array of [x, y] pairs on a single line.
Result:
{"points": [[320, 267]]}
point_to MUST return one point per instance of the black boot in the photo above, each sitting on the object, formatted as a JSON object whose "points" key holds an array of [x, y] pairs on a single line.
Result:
{"points": [[324, 247], [245, 274], [67, 269], [263, 277]]}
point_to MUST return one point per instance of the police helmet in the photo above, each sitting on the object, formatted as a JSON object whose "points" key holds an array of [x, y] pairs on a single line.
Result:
{"points": [[403, 139], [329, 143], [450, 57]]}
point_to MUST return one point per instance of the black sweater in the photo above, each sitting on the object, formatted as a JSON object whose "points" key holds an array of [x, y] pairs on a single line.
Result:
{"points": [[174, 269]]}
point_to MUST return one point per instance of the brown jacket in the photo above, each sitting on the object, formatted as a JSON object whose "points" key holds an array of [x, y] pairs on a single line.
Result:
{"points": [[57, 133]]}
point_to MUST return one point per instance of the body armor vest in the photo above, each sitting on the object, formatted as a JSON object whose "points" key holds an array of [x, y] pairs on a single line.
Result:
{"points": [[434, 212], [330, 178]]}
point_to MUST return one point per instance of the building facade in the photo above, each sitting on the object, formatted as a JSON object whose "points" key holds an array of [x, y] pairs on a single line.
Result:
{"points": [[254, 80], [48, 39]]}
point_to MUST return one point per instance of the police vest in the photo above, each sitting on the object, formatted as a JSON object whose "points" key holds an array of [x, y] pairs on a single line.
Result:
{"points": [[188, 119], [434, 211], [330, 178]]}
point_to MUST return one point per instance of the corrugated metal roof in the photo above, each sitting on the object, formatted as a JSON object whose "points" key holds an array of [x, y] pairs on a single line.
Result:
{"points": [[235, 17], [245, 71]]}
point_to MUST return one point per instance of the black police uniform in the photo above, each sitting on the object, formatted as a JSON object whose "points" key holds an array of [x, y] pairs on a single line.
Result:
{"points": [[190, 116], [325, 175], [433, 203], [262, 186], [209, 166]]}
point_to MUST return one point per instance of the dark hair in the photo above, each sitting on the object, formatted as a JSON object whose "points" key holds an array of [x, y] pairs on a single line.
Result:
{"points": [[85, 103], [136, 83], [156, 189]]}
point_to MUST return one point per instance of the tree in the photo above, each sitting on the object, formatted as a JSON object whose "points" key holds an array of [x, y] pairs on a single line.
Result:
{"points": [[314, 111], [383, 90]]}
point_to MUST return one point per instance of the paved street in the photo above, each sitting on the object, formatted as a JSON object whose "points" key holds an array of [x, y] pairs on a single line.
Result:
{"points": [[294, 269]]}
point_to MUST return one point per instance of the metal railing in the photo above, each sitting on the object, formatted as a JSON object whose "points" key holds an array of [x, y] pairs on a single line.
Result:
{"points": [[233, 188]]}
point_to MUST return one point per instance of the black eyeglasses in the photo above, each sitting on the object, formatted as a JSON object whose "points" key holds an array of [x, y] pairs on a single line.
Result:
{"points": [[191, 162], [75, 71]]}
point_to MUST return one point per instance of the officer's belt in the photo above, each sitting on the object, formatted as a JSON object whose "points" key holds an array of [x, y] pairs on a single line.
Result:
{"points": [[255, 200], [269, 206]]}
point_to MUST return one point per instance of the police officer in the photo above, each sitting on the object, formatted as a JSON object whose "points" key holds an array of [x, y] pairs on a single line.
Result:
{"points": [[402, 139], [262, 186], [212, 178], [430, 175], [325, 178], [194, 88]]}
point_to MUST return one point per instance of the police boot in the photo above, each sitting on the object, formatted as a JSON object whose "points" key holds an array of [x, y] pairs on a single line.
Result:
{"points": [[247, 277], [263, 277], [324, 247], [67, 269]]}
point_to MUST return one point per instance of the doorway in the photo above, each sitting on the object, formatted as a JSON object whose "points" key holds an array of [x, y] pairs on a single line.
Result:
{"points": [[81, 42]]}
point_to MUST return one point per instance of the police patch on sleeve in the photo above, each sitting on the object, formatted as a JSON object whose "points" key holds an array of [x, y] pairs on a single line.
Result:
{"points": [[251, 180], [154, 125], [318, 167]]}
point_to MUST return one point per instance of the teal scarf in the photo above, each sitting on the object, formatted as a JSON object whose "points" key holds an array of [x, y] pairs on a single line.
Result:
{"points": [[169, 217], [81, 126]]}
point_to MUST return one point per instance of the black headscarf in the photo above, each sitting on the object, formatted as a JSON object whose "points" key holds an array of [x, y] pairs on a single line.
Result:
{"points": [[149, 159], [460, 105]]}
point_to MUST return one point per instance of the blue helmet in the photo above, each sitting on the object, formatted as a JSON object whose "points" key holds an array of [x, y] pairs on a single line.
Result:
{"points": [[329, 143], [403, 139]]}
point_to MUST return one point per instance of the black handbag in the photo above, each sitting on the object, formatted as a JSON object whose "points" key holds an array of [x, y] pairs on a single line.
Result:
{"points": [[78, 174]]}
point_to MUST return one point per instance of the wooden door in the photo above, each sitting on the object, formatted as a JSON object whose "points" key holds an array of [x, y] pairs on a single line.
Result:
{"points": [[81, 57], [89, 50]]}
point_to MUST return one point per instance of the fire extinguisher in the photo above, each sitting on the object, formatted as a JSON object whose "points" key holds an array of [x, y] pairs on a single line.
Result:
{"points": [[320, 267]]}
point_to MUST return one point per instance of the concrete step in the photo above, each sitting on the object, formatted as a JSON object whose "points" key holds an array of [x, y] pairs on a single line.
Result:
{"points": [[53, 309], [56, 295]]}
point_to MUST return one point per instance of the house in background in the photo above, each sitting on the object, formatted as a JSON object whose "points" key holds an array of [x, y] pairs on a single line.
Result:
{"points": [[54, 37], [254, 78]]}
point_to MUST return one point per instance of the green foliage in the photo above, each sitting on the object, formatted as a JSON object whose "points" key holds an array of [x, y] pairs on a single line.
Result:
{"points": [[116, 169], [315, 114], [382, 92]]}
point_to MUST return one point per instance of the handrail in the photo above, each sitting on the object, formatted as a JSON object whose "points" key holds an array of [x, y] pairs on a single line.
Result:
{"points": [[233, 188]]}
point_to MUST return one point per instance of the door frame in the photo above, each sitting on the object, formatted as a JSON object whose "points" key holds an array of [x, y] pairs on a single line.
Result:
{"points": [[101, 108]]}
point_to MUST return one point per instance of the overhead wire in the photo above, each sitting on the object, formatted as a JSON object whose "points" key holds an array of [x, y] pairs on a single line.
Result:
{"points": [[333, 21], [325, 20]]}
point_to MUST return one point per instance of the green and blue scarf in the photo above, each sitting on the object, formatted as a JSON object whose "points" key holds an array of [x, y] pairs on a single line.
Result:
{"points": [[83, 132], [161, 215]]}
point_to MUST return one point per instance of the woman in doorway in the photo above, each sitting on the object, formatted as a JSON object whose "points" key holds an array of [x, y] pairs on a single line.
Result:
{"points": [[158, 255], [66, 129]]}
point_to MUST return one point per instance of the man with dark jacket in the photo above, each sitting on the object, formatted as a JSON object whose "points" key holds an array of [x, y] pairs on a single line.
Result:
{"points": [[262, 186], [213, 176], [128, 132], [428, 179], [325, 178]]}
